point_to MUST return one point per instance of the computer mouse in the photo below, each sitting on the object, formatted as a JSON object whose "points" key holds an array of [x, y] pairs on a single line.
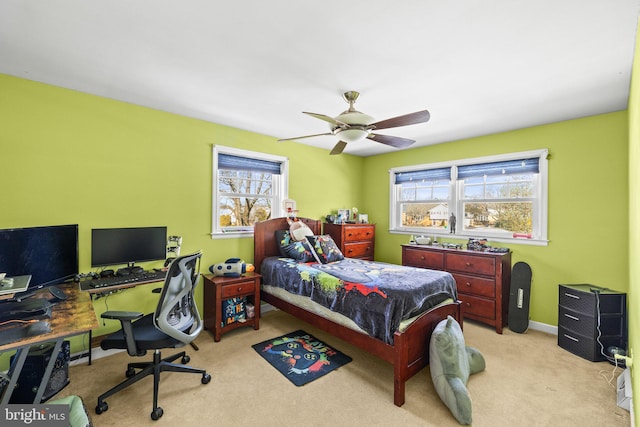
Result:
{"points": [[57, 293]]}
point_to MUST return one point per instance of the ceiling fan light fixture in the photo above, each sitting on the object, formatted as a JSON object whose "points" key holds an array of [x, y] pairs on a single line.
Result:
{"points": [[353, 135]]}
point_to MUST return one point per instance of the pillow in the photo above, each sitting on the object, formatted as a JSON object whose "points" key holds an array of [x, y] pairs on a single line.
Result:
{"points": [[299, 251], [451, 363], [325, 248]]}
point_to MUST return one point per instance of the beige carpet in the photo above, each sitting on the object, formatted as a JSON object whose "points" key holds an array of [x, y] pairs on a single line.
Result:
{"points": [[529, 381]]}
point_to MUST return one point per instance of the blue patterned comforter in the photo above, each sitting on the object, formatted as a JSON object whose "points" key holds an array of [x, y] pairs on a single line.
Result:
{"points": [[376, 296]]}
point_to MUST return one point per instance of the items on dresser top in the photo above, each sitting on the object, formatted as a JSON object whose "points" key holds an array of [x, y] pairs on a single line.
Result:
{"points": [[353, 240], [590, 320], [482, 279]]}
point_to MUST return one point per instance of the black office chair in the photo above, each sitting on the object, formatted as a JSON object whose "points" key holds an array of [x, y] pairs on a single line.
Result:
{"points": [[175, 323]]}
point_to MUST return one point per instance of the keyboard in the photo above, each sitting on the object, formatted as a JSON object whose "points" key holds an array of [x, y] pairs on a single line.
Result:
{"points": [[131, 279]]}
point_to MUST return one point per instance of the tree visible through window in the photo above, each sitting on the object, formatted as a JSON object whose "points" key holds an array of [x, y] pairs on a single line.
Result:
{"points": [[501, 197], [248, 187]]}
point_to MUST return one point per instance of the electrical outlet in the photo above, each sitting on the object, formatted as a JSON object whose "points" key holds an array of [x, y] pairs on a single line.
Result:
{"points": [[627, 360]]}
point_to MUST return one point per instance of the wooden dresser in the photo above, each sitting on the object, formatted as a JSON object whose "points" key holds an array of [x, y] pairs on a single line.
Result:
{"points": [[354, 240], [482, 279]]}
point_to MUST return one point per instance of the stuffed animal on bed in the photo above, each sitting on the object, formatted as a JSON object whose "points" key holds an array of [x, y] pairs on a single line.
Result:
{"points": [[451, 363], [298, 230]]}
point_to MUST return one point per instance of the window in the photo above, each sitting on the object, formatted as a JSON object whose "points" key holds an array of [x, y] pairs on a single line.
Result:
{"points": [[499, 197], [248, 187]]}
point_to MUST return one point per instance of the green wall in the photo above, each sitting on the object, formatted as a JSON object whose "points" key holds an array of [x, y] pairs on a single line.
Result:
{"points": [[634, 215], [71, 158], [588, 202]]}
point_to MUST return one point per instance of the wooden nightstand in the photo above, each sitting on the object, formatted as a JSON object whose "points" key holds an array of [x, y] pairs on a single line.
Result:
{"points": [[219, 288]]}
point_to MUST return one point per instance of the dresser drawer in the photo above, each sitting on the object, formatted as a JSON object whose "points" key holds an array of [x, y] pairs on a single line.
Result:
{"points": [[475, 285], [582, 302], [358, 250], [354, 234], [577, 322], [236, 289], [478, 306], [423, 259], [470, 264], [577, 344]]}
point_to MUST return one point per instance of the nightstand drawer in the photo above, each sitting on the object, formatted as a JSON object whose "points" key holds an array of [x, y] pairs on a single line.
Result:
{"points": [[470, 264], [475, 285], [478, 306], [360, 232], [236, 289], [358, 250], [423, 259]]}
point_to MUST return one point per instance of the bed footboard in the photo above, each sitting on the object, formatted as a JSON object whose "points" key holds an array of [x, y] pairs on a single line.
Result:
{"points": [[411, 347]]}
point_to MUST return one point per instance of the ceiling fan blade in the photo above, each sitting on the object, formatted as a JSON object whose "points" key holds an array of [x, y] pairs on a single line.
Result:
{"points": [[406, 120], [393, 141], [305, 136], [339, 148], [326, 119]]}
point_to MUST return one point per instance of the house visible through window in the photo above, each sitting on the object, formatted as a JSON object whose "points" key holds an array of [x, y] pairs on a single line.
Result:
{"points": [[501, 197], [248, 187]]}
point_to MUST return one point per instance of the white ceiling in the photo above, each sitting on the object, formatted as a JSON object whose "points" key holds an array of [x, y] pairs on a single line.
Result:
{"points": [[479, 67]]}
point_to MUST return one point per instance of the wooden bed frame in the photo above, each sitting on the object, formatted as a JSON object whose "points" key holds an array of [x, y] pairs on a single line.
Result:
{"points": [[410, 351]]}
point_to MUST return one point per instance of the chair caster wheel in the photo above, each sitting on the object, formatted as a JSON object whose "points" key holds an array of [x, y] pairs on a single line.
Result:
{"points": [[206, 378], [157, 413], [185, 360], [101, 407], [130, 372]]}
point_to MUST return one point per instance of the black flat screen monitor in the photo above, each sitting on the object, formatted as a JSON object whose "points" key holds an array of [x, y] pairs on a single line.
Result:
{"points": [[113, 246], [49, 254]]}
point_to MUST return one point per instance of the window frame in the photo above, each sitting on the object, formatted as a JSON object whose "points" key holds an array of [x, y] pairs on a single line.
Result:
{"points": [[280, 187], [456, 202]]}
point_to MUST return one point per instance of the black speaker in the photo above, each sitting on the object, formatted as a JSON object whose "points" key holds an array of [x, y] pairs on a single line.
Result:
{"points": [[33, 371]]}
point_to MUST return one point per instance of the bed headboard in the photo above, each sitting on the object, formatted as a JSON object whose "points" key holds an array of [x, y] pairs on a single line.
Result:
{"points": [[264, 239]]}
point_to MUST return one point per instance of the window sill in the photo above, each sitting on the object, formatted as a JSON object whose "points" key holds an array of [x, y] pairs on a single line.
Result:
{"points": [[232, 235]]}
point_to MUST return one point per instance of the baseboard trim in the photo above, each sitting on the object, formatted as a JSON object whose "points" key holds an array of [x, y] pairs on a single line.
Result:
{"points": [[96, 353], [543, 327]]}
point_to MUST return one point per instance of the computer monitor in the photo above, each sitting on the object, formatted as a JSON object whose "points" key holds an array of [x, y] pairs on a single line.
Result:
{"points": [[49, 254], [114, 246]]}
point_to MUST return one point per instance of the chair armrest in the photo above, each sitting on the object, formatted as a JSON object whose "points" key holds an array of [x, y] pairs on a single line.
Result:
{"points": [[126, 318], [122, 315]]}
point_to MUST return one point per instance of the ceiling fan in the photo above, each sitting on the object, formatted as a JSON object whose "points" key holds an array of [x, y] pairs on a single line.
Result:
{"points": [[352, 125]]}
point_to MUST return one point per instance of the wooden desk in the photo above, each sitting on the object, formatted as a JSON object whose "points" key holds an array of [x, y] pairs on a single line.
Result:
{"points": [[73, 316]]}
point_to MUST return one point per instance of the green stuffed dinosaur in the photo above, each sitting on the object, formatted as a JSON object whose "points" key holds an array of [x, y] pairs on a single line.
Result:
{"points": [[451, 363]]}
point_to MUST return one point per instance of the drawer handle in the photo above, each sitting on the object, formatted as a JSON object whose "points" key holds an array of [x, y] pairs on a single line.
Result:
{"points": [[422, 257], [239, 288], [468, 304], [468, 284], [468, 264], [571, 338], [572, 296], [349, 235], [571, 317]]}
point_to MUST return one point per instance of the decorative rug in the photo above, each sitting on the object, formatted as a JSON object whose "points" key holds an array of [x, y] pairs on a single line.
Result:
{"points": [[300, 356]]}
